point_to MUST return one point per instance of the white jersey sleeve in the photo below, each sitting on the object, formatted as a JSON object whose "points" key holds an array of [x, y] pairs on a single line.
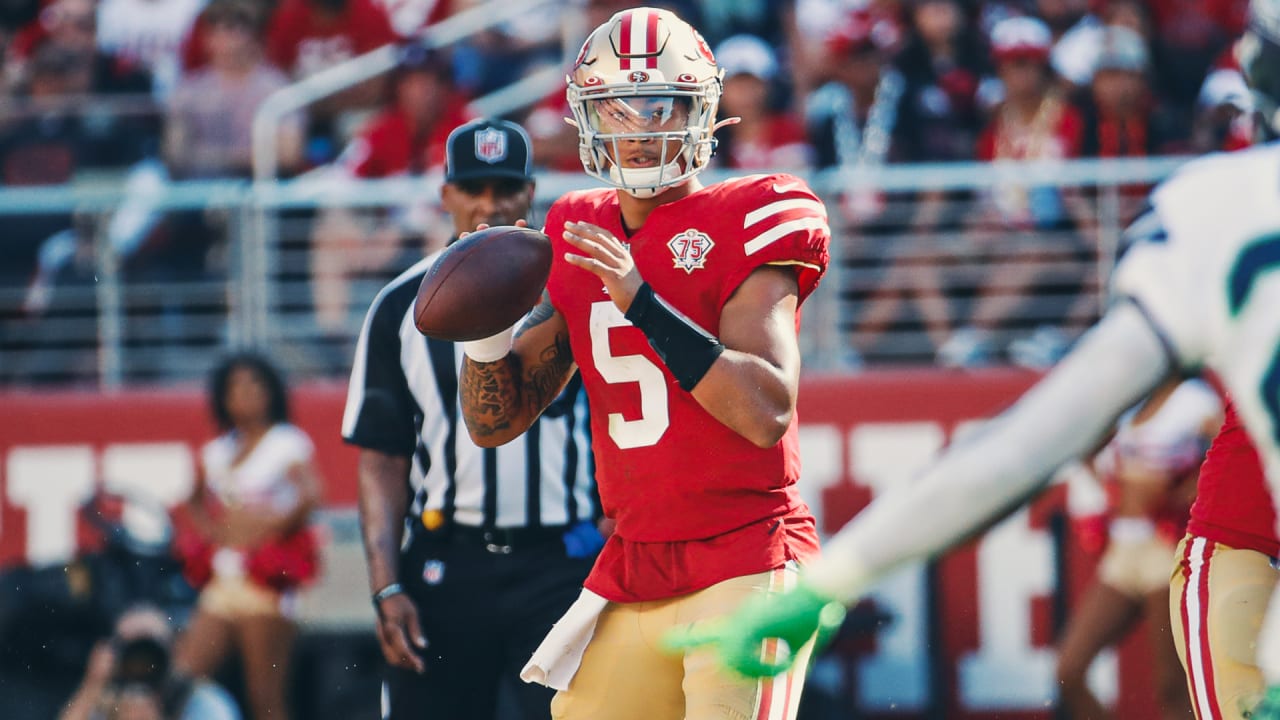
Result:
{"points": [[981, 477]]}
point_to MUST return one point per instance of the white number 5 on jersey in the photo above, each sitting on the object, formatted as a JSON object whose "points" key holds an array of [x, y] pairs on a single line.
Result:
{"points": [[654, 418]]}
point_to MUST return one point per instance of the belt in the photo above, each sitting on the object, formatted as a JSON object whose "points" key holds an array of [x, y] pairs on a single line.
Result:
{"points": [[503, 541]]}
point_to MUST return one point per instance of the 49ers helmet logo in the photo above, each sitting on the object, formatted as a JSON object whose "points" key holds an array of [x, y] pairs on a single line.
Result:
{"points": [[638, 76], [690, 249]]}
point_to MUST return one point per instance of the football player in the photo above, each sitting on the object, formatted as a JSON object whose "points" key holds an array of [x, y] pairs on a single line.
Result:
{"points": [[1200, 287], [680, 305], [1225, 574]]}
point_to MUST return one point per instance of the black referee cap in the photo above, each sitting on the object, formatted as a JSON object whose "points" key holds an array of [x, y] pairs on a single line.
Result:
{"points": [[488, 148]]}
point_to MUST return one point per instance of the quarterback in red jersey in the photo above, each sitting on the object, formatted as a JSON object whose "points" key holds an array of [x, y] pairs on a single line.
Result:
{"points": [[1224, 578], [680, 306]]}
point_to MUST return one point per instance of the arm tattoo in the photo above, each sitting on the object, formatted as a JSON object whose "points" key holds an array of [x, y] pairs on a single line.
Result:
{"points": [[498, 395], [543, 381], [488, 394]]}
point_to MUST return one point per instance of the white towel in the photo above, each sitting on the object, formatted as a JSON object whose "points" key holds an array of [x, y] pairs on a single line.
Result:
{"points": [[556, 660]]}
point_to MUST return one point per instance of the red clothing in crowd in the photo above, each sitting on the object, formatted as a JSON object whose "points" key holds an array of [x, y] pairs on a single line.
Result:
{"points": [[1190, 21], [402, 15], [1061, 141], [301, 43], [387, 146]]}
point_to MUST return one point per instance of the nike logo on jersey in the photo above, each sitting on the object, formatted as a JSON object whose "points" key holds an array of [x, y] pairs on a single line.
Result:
{"points": [[785, 187]]}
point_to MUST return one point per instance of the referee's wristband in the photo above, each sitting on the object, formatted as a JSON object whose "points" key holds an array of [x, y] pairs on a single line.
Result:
{"points": [[688, 350], [391, 589]]}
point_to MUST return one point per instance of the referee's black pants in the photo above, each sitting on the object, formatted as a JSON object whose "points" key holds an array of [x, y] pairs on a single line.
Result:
{"points": [[484, 608]]}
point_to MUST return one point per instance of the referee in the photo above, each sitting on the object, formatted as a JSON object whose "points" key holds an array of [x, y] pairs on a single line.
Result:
{"points": [[473, 553]]}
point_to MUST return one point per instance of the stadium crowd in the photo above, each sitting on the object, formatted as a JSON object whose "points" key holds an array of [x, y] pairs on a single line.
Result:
{"points": [[144, 91]]}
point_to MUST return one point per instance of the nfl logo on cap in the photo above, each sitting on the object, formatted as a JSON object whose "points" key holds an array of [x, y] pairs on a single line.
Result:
{"points": [[491, 145], [487, 149]]}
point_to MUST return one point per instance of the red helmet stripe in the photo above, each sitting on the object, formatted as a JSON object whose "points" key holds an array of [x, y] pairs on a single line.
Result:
{"points": [[624, 42], [651, 41]]}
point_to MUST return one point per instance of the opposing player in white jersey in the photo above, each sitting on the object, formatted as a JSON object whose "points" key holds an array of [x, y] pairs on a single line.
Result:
{"points": [[1199, 288]]}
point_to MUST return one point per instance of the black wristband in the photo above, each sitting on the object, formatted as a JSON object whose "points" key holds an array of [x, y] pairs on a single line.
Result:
{"points": [[688, 350], [386, 592]]}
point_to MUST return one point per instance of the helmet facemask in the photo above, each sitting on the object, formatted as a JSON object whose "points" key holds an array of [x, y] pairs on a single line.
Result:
{"points": [[644, 93], [668, 126]]}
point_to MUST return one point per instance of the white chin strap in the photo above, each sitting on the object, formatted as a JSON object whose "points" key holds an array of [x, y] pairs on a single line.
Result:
{"points": [[643, 183]]}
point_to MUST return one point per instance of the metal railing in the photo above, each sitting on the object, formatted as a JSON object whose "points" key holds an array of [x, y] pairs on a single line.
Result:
{"points": [[209, 275]]}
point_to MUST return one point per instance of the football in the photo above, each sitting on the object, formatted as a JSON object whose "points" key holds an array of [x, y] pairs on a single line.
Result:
{"points": [[483, 283]]}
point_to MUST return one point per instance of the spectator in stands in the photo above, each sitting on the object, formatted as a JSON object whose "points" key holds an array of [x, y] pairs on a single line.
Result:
{"points": [[1224, 118], [307, 36], [72, 25], [853, 117], [209, 134], [208, 130], [246, 542], [148, 34], [764, 139], [406, 138], [1121, 115], [943, 66], [1028, 230], [852, 120], [1188, 37], [1075, 54], [44, 146], [808, 59], [123, 129], [131, 676], [408, 135]]}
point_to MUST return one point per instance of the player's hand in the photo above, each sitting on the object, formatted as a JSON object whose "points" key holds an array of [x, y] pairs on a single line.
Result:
{"points": [[1269, 708], [400, 634], [795, 617], [485, 226], [607, 257]]}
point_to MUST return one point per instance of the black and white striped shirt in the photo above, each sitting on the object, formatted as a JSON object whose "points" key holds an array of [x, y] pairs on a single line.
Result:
{"points": [[403, 400]]}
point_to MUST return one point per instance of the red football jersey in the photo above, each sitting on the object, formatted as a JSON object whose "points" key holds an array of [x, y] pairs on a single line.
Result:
{"points": [[1233, 505], [695, 503]]}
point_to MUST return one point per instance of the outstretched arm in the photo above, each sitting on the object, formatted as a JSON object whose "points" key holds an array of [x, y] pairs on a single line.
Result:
{"points": [[503, 392], [1115, 364], [972, 483]]}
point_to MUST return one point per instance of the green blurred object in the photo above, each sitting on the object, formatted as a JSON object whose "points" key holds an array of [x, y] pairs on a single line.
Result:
{"points": [[794, 617], [1269, 708]]}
